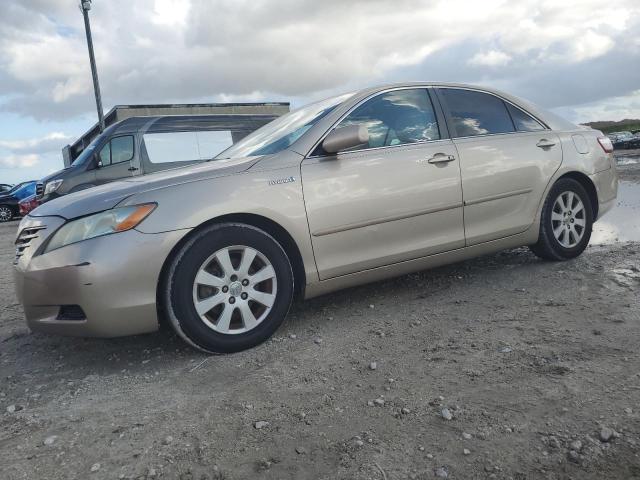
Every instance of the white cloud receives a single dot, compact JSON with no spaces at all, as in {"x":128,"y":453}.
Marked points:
{"x":71,"y":87}
{"x":50,"y":142}
{"x":19,"y":161}
{"x":158,"y":51}
{"x":613,"y":108}
{"x":590,"y":45}
{"x":170,"y":12}
{"x":492,"y":58}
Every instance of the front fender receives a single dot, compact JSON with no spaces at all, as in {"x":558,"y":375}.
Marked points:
{"x":273,"y":194}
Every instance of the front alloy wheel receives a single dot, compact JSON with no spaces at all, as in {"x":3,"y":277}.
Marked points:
{"x":230,"y":299}
{"x":228,"y":288}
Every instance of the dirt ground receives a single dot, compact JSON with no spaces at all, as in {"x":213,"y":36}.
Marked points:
{"x":536,"y":363}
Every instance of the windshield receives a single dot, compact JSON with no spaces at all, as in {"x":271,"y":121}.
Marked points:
{"x":14,"y":189}
{"x":87,"y":153}
{"x":283,"y":131}
{"x":25,"y":190}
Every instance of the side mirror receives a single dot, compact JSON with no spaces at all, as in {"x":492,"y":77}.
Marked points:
{"x":345,"y":137}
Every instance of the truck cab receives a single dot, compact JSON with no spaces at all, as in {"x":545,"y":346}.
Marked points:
{"x":143,"y":145}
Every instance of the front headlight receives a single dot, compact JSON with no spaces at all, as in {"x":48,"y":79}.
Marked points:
{"x":103,"y":223}
{"x":52,"y":186}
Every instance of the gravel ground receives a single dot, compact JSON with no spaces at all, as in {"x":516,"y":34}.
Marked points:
{"x":499,"y":367}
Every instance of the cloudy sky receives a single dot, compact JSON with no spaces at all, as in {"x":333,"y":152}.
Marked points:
{"x":580,"y":58}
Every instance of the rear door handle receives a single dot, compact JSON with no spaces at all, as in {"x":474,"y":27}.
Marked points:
{"x":544,"y":143}
{"x":441,"y":158}
{"x":132,"y":169}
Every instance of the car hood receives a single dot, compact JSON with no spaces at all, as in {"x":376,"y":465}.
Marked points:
{"x":58,"y":174}
{"x":104,"y":197}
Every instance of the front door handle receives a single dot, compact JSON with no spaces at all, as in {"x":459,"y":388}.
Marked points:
{"x":132,"y":169}
{"x":441,"y":158}
{"x":544,"y":143}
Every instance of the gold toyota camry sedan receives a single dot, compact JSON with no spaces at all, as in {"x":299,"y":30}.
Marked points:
{"x":348,"y":190}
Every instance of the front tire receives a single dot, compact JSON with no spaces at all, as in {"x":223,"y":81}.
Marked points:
{"x":228,"y":288}
{"x":565,"y":223}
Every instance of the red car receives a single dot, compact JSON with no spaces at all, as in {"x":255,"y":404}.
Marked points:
{"x":27,"y":204}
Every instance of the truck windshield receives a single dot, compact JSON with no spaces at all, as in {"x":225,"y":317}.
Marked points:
{"x":283,"y":131}
{"x":87,"y":153}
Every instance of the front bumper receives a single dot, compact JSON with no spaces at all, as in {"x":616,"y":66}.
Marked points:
{"x":113,"y":279}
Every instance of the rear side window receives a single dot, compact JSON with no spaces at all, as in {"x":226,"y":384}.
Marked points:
{"x":118,"y":150}
{"x":523,"y":121}
{"x":476,"y":113}
{"x":167,"y":147}
{"x":396,"y":118}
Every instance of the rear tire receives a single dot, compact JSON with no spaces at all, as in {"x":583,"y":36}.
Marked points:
{"x":565,"y":223}
{"x":228,"y":288}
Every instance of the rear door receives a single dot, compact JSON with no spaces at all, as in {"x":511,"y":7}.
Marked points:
{"x":396,"y":198}
{"x":506,"y":159}
{"x":116,"y":159}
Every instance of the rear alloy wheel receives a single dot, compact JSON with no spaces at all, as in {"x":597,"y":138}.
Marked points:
{"x":566,"y":222}
{"x":229,"y":288}
{"x":6,"y":213}
{"x":568,"y":219}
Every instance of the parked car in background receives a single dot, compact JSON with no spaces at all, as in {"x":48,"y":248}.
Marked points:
{"x":624,"y":140}
{"x":141,"y":145}
{"x":396,"y":179}
{"x":27,"y":204}
{"x":5,"y":187}
{"x":10,"y":199}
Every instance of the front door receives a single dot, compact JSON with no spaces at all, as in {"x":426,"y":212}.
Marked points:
{"x":506,"y":158}
{"x":116,"y":159}
{"x":397,"y":198}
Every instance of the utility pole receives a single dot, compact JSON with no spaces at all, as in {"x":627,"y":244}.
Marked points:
{"x":85,"y":6}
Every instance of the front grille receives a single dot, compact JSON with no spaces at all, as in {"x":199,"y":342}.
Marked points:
{"x":71,"y":312}
{"x":24,"y":240}
{"x":39,"y":190}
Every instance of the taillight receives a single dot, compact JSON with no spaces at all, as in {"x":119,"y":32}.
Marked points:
{"x":605,"y":143}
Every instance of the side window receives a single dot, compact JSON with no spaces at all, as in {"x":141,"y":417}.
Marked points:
{"x":476,"y":113}
{"x":396,"y":118}
{"x":169,"y":147}
{"x":523,"y":121}
{"x":105,"y":155}
{"x":121,"y":149}
{"x":118,"y":150}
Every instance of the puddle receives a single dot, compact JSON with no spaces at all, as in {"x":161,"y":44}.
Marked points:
{"x":628,"y":160}
{"x":622,"y":223}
